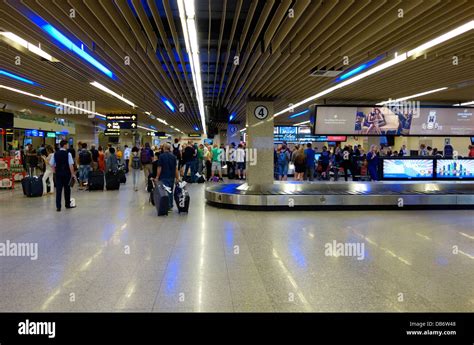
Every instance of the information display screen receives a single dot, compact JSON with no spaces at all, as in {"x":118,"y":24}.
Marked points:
{"x":393,"y":120}
{"x":443,"y":121}
{"x":408,"y":168}
{"x":295,"y":134}
{"x":455,"y":168}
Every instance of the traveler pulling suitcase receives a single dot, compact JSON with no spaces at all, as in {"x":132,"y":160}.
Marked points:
{"x":161,"y":199}
{"x":32,"y":186}
{"x":112,"y":181}
{"x":96,"y":180}
{"x":181,"y":197}
{"x":121,"y":174}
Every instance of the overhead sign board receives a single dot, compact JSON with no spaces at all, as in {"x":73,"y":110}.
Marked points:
{"x":194,"y":135}
{"x":112,"y":132}
{"x":121,"y":121}
{"x":121,"y":117}
{"x":152,"y":134}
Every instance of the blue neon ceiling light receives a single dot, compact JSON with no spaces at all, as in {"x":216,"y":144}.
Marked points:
{"x":231,"y":117}
{"x":168,"y":103}
{"x":70,"y":45}
{"x":360,"y":68}
{"x":17,"y":77}
{"x":47,"y":104}
{"x":299,"y":114}
{"x":196,"y":128}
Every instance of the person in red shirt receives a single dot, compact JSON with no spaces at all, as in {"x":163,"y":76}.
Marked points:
{"x":471,"y":150}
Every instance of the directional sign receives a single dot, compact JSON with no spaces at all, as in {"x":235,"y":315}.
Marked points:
{"x":194,"y":135}
{"x":112,"y":132}
{"x":122,"y":117}
{"x":122,"y":121}
{"x":152,"y":134}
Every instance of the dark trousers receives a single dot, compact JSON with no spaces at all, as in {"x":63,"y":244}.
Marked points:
{"x":347,"y":167}
{"x":169,"y":182}
{"x":127,"y":162}
{"x":373,"y":173}
{"x":62,"y":182}
{"x":230,"y":169}
{"x":208,"y":169}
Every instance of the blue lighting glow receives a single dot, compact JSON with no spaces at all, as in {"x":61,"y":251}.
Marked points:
{"x":47,"y":104}
{"x":299,"y":114}
{"x":70,"y":45}
{"x":196,"y":128}
{"x":168,"y":103}
{"x":17,"y":77}
{"x":231,"y":117}
{"x":359,"y":68}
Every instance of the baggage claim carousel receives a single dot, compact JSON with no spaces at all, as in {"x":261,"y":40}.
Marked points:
{"x":344,"y":195}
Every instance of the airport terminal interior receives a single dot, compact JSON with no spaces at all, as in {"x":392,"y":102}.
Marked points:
{"x":236,"y":156}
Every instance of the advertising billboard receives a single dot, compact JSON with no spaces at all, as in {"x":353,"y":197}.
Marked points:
{"x":393,"y":120}
{"x":408,"y":168}
{"x":455,"y":168}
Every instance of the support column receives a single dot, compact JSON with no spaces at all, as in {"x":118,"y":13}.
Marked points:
{"x":259,"y":142}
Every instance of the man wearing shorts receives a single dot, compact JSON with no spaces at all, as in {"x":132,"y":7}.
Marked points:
{"x":216,"y":162}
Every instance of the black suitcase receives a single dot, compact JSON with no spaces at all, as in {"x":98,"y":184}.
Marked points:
{"x":112,"y":181}
{"x":201,"y":179}
{"x":181,"y":198}
{"x":32,"y":186}
{"x":121,"y":175}
{"x":161,"y":199}
{"x":96,"y":180}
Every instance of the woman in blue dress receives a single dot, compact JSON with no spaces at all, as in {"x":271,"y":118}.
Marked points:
{"x":373,"y":162}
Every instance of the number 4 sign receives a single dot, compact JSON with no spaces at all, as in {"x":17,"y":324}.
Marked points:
{"x":261,"y":112}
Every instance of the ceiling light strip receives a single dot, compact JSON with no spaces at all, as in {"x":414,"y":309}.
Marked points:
{"x":187,"y":16}
{"x":412,"y":96}
{"x":463,"y":104}
{"x":110,"y":92}
{"x":30,"y":46}
{"x":396,"y":60}
{"x":51,"y":100}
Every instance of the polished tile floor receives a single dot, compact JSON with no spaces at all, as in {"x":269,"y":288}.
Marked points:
{"x":112,"y":253}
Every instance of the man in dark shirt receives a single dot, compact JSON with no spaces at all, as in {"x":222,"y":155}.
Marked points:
{"x":188,"y":158}
{"x":167,"y":170}
{"x":63,"y":165}
{"x":95,"y":158}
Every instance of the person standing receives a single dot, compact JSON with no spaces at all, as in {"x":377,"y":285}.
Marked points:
{"x":448,"y":150}
{"x":240,"y":161}
{"x":471,"y":151}
{"x":230,"y":161}
{"x":101,"y":159}
{"x":423,"y":152}
{"x":300,"y":163}
{"x":208,"y":161}
{"x":63,"y":165}
{"x":48,"y":172}
{"x":310,"y":162}
{"x":188,"y":156}
{"x":85,"y":160}
{"x":283,"y":159}
{"x":135,"y":165}
{"x":146,"y":158}
{"x":373,"y":162}
{"x":126,"y":156}
{"x":112,"y":161}
{"x":167,"y":171}
{"x":95,"y":158}
{"x":200,"y":157}
{"x":216,"y":154}
{"x":403,"y":151}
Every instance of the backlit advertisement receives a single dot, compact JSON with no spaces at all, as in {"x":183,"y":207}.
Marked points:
{"x":393,"y":120}
{"x":408,"y":168}
{"x":454,"y":168}
{"x":444,"y":121}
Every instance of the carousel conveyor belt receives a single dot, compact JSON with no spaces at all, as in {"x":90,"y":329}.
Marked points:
{"x":344,"y":195}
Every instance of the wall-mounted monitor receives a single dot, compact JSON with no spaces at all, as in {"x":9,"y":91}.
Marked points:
{"x":455,"y":168}
{"x":393,"y":120}
{"x":408,"y":169}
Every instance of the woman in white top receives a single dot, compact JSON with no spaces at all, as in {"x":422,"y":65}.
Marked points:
{"x":48,"y":173}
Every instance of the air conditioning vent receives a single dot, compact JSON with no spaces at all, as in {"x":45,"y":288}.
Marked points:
{"x":324,"y":72}
{"x":69,"y":71}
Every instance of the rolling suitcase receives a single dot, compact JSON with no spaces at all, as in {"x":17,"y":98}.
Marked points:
{"x":96,"y":180}
{"x":121,"y":175}
{"x":181,"y":197}
{"x":32,"y":186}
{"x":161,"y":199}
{"x":112,"y":181}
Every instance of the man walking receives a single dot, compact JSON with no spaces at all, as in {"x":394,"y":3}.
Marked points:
{"x":126,"y":156}
{"x":167,"y":171}
{"x":63,"y":165}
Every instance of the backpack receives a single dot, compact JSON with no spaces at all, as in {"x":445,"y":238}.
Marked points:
{"x":282,"y":157}
{"x":145,"y":156}
{"x":85,"y":157}
{"x":136,"y":162}
{"x":176,"y":151}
